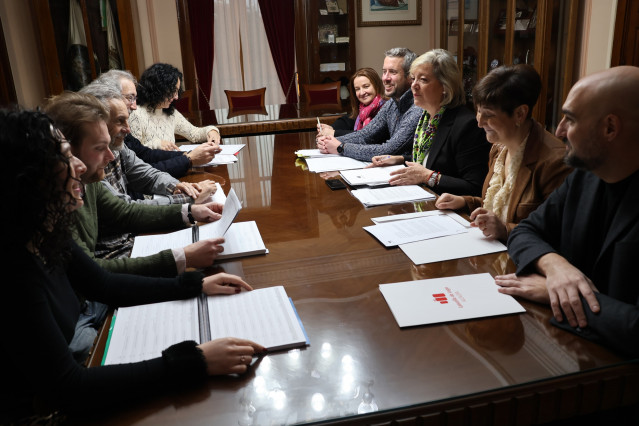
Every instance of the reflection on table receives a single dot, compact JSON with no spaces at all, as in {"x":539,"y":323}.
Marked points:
{"x":505,"y":370}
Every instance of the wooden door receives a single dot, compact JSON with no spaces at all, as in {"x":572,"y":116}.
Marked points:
{"x":625,"y":47}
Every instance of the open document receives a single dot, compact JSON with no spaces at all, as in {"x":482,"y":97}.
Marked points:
{"x":421,"y":228}
{"x":372,"y":176}
{"x":333,"y":164}
{"x":447,"y":299}
{"x":266,"y":316}
{"x":147,"y":245}
{"x":391,"y":195}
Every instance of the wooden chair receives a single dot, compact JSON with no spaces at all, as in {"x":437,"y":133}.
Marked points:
{"x":322,"y":96}
{"x":246,"y":101}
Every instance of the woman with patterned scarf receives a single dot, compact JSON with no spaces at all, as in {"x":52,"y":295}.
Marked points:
{"x":449,"y":150}
{"x":526,"y":162}
{"x":367,"y":97}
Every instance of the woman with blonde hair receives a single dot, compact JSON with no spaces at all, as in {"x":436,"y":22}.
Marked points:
{"x":449,"y":150}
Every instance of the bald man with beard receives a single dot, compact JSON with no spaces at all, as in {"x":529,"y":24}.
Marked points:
{"x":578,"y":251}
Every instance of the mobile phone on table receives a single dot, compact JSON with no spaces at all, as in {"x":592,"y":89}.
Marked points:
{"x":335,"y":184}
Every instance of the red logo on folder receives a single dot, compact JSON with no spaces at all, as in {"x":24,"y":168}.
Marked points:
{"x":440,"y":297}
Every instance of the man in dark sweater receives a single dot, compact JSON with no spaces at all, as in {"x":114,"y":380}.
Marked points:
{"x":578,"y":250}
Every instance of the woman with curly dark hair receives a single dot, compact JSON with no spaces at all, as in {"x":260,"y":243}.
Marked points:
{"x":156,"y":121}
{"x":39,"y":311}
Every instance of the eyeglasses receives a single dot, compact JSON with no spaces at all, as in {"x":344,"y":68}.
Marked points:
{"x":131,"y":98}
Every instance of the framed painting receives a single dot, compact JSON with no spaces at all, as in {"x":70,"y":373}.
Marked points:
{"x":373,"y":13}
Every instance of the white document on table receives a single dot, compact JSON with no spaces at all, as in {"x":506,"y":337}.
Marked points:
{"x":313,"y":153}
{"x":405,"y":231}
{"x":242,"y":239}
{"x":391,"y":195}
{"x":332,"y":164}
{"x":266,"y":316}
{"x":147,"y":245}
{"x":447,"y":299}
{"x":471,"y":243}
{"x":144,"y":331}
{"x":405,"y":216}
{"x":371,"y":176}
{"x":226,"y":149}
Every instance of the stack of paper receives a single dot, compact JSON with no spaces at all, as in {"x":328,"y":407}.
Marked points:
{"x":421,"y":228}
{"x":455,"y":246}
{"x":242,"y":239}
{"x":391,"y":195}
{"x":373,"y":176}
{"x":447,"y":299}
{"x":313,"y":153}
{"x":333,"y":163}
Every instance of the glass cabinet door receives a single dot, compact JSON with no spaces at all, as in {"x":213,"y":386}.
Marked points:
{"x":498,"y":34}
{"x":525,"y":30}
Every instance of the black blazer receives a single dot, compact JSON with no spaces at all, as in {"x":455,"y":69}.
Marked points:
{"x":459,"y":152}
{"x":174,"y":163}
{"x":564,"y":224}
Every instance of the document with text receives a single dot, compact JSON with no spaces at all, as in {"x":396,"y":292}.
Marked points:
{"x":242,"y":239}
{"x":372,"y":176}
{"x":147,"y":245}
{"x":471,"y":243}
{"x":267,"y":316}
{"x":391,"y":195}
{"x":313,"y":153}
{"x":421,"y":228}
{"x":447,"y":299}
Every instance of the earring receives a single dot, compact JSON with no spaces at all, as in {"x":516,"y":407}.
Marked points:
{"x":517,"y":124}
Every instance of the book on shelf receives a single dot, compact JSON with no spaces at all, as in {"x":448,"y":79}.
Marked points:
{"x":266,"y":316}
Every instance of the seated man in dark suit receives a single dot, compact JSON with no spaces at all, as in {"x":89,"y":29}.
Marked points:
{"x":175,"y":163}
{"x":578,"y":250}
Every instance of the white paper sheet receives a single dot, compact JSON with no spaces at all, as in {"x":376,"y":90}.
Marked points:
{"x":265,"y":316}
{"x":391,"y":195}
{"x":313,"y":153}
{"x":447,"y":299}
{"x":147,"y":245}
{"x":471,"y":243}
{"x":372,"y":176}
{"x":404,"y":231}
{"x":144,"y":331}
{"x":226,"y":149}
{"x":242,"y":239}
{"x":332,"y":164}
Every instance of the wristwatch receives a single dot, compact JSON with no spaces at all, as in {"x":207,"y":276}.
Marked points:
{"x":432,"y":180}
{"x":340,"y":148}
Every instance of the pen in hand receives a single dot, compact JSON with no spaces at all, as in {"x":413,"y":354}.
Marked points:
{"x":319,"y":127}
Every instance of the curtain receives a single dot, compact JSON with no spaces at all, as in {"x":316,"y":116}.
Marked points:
{"x":202,"y":36}
{"x":279,"y":23}
{"x":240,"y":22}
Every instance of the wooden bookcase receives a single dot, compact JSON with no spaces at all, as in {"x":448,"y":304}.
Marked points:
{"x":484,"y":34}
{"x":325,"y":40}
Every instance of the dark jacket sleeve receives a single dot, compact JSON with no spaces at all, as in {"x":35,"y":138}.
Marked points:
{"x":174,"y":163}
{"x":343,"y":126}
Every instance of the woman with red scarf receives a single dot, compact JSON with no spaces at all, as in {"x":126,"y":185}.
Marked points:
{"x":367,"y":97}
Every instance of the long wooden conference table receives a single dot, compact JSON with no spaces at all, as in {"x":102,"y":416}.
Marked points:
{"x":360,"y":367}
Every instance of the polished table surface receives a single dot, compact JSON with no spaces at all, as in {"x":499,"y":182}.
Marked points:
{"x":271,"y":119}
{"x":514,"y":369}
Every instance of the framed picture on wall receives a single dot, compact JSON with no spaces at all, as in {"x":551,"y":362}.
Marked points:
{"x":373,"y":13}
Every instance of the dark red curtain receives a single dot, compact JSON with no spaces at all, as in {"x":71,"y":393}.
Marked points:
{"x":279,"y":21}
{"x":202,"y":37}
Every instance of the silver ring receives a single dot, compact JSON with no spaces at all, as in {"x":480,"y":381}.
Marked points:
{"x":242,"y":359}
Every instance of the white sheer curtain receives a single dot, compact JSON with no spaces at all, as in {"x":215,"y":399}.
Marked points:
{"x":234,"y":21}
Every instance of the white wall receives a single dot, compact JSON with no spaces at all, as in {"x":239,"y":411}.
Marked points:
{"x":597,"y":35}
{"x":372,"y":42}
